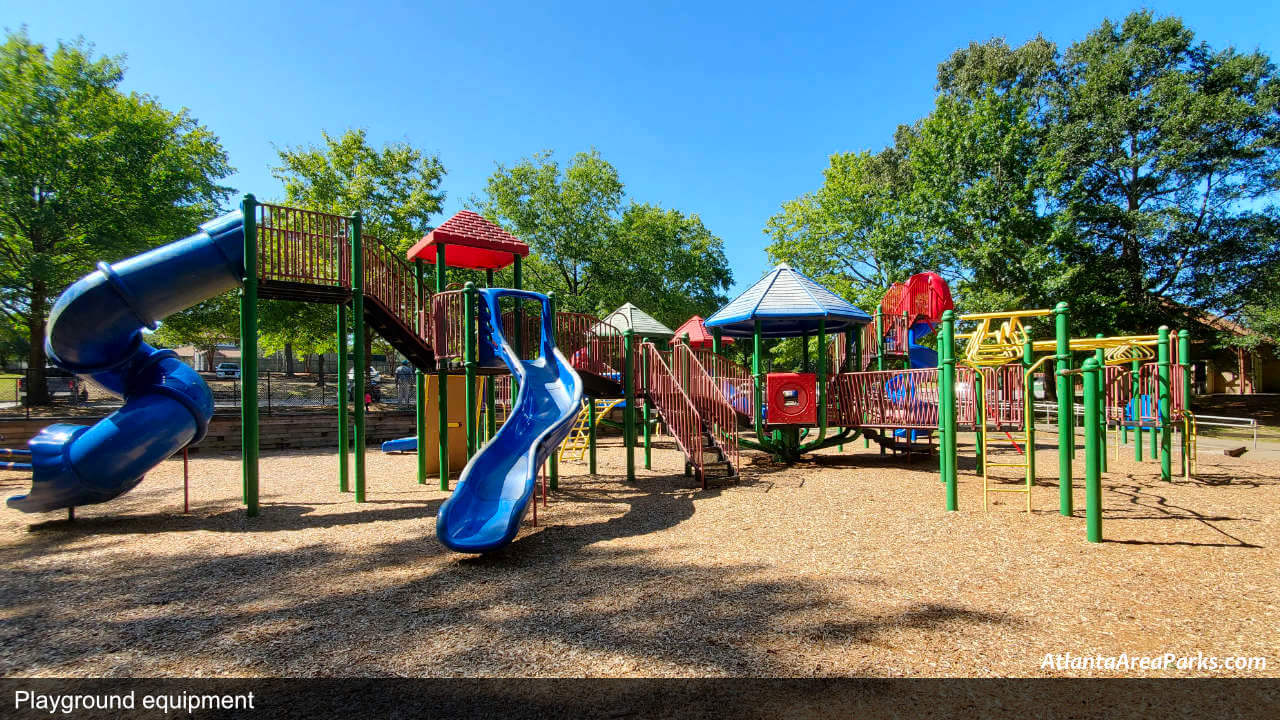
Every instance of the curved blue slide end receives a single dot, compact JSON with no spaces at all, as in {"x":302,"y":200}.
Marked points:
{"x":404,"y":444}
{"x":493,"y":494}
{"x":95,"y":331}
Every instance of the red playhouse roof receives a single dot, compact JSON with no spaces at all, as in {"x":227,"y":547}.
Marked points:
{"x":699,"y":338}
{"x":924,"y":296}
{"x":470,"y":242}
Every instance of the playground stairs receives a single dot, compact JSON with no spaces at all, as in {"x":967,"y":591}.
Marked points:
{"x":394,"y":331}
{"x":714,"y":463}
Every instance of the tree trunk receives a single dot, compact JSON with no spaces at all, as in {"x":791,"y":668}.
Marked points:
{"x":320,"y":369}
{"x":37,"y":388}
{"x":288,"y":359}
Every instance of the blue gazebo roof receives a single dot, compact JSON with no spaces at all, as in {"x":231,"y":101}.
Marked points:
{"x":787,"y":304}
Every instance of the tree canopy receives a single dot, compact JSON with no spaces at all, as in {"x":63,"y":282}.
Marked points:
{"x":1134,"y":174}
{"x":594,"y":251}
{"x":88,"y":173}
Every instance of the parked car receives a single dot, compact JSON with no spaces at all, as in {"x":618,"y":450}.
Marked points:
{"x":227,"y":370}
{"x":58,"y":383}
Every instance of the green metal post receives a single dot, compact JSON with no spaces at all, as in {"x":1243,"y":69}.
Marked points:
{"x":1166,"y":400}
{"x":1136,"y":404}
{"x":553,"y":463}
{"x":804,"y":352}
{"x":591,"y":435}
{"x":646,"y":419}
{"x":362,"y":363}
{"x":857,"y":367}
{"x":249,"y":358}
{"x":1029,"y":408}
{"x":629,"y":393}
{"x":757,"y":376}
{"x":1093,"y":451}
{"x":947,"y":414}
{"x":1066,"y":407}
{"x":906,"y":356}
{"x":822,"y":382}
{"x":442,"y":381}
{"x":880,"y":348}
{"x":717,"y":343}
{"x":879,"y":341}
{"x":491,"y":405}
{"x":517,"y":277}
{"x":979,"y":425}
{"x":344,"y":437}
{"x":1184,"y":358}
{"x":420,"y":379}
{"x":1101,"y":378}
{"x":469,"y":355}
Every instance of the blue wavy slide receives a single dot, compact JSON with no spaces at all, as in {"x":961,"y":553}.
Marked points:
{"x":495,"y":489}
{"x":95,"y":331}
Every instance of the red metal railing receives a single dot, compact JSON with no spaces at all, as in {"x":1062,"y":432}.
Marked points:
{"x":678,"y":411}
{"x":733,"y":380}
{"x":304,"y":246}
{"x":502,"y":391}
{"x":893,"y":336}
{"x":531,"y":336}
{"x":390,"y":281}
{"x":1003,"y":390}
{"x":590,"y":346}
{"x":966,"y":397}
{"x":714,"y":408}
{"x":905,"y":399}
{"x":448,"y":323}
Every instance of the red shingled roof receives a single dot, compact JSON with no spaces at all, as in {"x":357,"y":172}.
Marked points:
{"x":699,"y":337}
{"x":470,"y":242}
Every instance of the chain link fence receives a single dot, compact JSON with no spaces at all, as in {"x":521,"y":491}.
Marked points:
{"x":278,"y":391}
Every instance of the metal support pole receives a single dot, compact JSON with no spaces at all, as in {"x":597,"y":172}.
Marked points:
{"x":1066,"y":407}
{"x":980,"y":421}
{"x":591,"y":435}
{"x":646,"y":418}
{"x":757,"y":376}
{"x":947,"y":414}
{"x":419,"y":377}
{"x":249,"y":358}
{"x":629,"y":393}
{"x":469,"y":360}
{"x":362,"y":363}
{"x":554,"y":461}
{"x":804,"y":352}
{"x":1136,"y":403}
{"x":442,"y":380}
{"x":1029,"y":408}
{"x":1164,"y":385}
{"x":717,"y":342}
{"x":344,"y":421}
{"x":1184,"y":358}
{"x":1093,"y":450}
{"x":906,"y":332}
{"x":1101,"y":378}
{"x":491,"y":405}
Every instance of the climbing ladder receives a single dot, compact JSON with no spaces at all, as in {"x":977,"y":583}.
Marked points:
{"x":579,"y":441}
{"x":1004,"y":406}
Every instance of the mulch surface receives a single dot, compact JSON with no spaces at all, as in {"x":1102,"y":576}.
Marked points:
{"x":842,"y":565}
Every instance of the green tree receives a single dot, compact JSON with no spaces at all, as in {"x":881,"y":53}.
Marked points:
{"x":666,"y":262}
{"x":566,"y":216}
{"x":396,"y":188}
{"x":854,"y":234}
{"x":87,"y":172}
{"x":204,"y":326}
{"x":1165,"y":154}
{"x":595,"y":252}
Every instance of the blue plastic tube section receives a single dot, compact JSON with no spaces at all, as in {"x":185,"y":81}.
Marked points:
{"x":95,"y":331}
{"x":493,"y":494}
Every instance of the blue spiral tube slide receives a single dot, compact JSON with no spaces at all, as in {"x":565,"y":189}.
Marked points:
{"x":95,"y":331}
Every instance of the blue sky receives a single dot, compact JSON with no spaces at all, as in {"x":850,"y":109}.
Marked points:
{"x":723,"y":109}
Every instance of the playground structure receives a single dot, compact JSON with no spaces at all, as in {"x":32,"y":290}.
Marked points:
{"x":703,"y":399}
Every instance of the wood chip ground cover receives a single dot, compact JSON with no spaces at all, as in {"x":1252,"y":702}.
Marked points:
{"x":842,"y":565}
